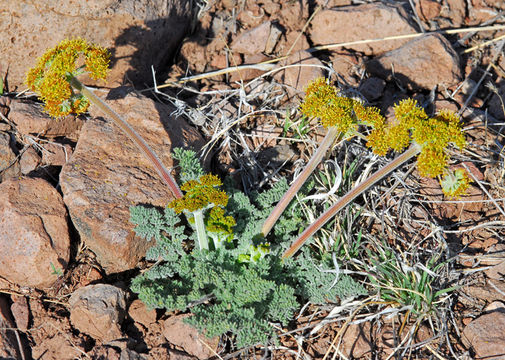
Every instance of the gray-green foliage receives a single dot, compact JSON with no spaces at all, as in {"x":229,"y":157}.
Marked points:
{"x":224,"y":294}
{"x":189,"y":164}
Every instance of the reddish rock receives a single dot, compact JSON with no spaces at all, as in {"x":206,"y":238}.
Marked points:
{"x":480,"y":12}
{"x":497,"y":272}
{"x":107,"y":174}
{"x":56,"y":154}
{"x":420,"y":64}
{"x":187,"y":337}
{"x":141,"y":314}
{"x":491,"y":291}
{"x":428,"y":9}
{"x":9,"y":167}
{"x":459,"y":211}
{"x":356,"y":340}
{"x":9,"y":348}
{"x":495,"y":305}
{"x":33,"y":232}
{"x":485,"y":335}
{"x":29,"y":161}
{"x":455,"y":11}
{"x":298,"y":77}
{"x":252,"y":14}
{"x":130,"y":28}
{"x":21,"y":312}
{"x":292,"y":42}
{"x":347,"y":66}
{"x":30,"y":119}
{"x":292,"y":15}
{"x":98,"y":310}
{"x":372,"y":88}
{"x":262,"y":38}
{"x":363,"y":22}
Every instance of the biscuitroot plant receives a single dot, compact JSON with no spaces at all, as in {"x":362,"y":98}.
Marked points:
{"x":234,"y":283}
{"x":411,"y":133}
{"x":211,"y":260}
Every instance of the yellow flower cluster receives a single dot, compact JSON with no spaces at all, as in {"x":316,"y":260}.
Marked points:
{"x":434,"y":135}
{"x":49,"y":77}
{"x":217,"y":222}
{"x":324,"y":102}
{"x":411,"y":124}
{"x":200,"y":194}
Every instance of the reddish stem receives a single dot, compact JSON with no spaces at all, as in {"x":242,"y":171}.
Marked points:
{"x":412,"y":151}
{"x":131,"y":133}
{"x":300,"y":180}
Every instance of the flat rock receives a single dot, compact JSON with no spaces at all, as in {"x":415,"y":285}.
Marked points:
{"x":302,"y":69}
{"x":20,"y":312}
{"x":33,"y":232}
{"x":98,"y":310}
{"x":362,"y":22}
{"x":254,"y":41}
{"x":420,"y":64}
{"x":356,"y":341}
{"x":141,"y":314}
{"x":485,"y":335}
{"x":30,"y":119}
{"x":491,"y":291}
{"x":130,"y":28}
{"x":428,"y":9}
{"x":56,"y":154}
{"x":9,"y":349}
{"x":188,"y":338}
{"x":107,"y":174}
{"x":8,"y":166}
{"x":29,"y":161}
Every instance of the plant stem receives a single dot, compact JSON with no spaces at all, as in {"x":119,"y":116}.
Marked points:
{"x":412,"y":151}
{"x":131,"y":133}
{"x":300,"y":180}
{"x":203,"y":242}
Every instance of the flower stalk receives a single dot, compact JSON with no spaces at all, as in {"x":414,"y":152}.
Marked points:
{"x":411,"y":133}
{"x":201,"y":233}
{"x":411,"y":152}
{"x":316,"y":158}
{"x":130,"y":132}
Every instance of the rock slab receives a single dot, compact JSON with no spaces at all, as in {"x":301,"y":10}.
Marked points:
{"x":33,"y":232}
{"x":9,"y":349}
{"x":188,"y":338}
{"x":485,"y":335}
{"x":98,"y":310}
{"x":107,"y":174}
{"x":30,"y":119}
{"x":362,"y":22}
{"x":422,"y":63}
{"x":8,"y":166}
{"x":131,"y":29}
